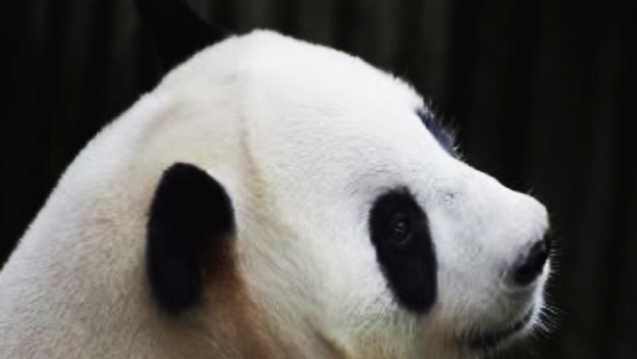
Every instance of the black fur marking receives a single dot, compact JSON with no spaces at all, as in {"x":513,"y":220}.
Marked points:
{"x":191,"y":220}
{"x":399,"y":231}
{"x":178,"y":31}
{"x":445,"y":137}
{"x":531,"y":265}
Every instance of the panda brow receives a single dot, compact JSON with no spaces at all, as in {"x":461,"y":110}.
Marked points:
{"x":445,"y":137}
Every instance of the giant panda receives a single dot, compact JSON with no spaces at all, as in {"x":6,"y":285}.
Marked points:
{"x":273,"y":198}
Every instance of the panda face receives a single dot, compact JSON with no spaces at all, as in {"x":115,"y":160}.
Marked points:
{"x":356,"y":221}
{"x":273,"y":198}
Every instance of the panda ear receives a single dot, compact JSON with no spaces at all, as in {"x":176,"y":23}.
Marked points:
{"x":189,"y":233}
{"x":177,"y":30}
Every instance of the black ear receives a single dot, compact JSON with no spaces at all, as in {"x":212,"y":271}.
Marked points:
{"x":177,"y":30}
{"x":188,"y":236}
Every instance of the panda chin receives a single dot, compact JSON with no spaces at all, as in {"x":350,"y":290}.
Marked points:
{"x":488,"y":341}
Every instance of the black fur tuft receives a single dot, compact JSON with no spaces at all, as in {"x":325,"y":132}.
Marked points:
{"x":445,"y":137}
{"x":191,"y":220}
{"x":177,"y":30}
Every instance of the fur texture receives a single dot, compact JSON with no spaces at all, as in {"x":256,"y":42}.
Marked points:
{"x":303,"y":139}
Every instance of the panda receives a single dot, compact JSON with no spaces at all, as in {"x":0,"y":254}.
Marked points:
{"x":273,"y":198}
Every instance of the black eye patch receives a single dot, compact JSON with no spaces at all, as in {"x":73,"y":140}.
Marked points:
{"x":399,"y":231}
{"x":445,"y":137}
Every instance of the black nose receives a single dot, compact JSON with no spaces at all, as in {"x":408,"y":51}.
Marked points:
{"x":530,"y":265}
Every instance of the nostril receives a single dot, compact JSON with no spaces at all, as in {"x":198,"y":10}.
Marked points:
{"x":530,"y":266}
{"x":548,"y":242}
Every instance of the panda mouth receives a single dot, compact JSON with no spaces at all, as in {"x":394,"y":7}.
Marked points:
{"x":492,"y":339}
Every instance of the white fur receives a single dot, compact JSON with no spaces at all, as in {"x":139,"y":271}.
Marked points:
{"x":303,"y":138}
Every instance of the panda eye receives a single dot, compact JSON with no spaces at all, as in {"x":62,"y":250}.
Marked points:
{"x":395,"y":220}
{"x":399,"y":232}
{"x":400,"y":229}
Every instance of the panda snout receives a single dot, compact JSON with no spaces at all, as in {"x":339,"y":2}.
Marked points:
{"x":530,"y":264}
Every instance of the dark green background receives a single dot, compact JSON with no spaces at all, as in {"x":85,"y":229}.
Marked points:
{"x":541,"y":92}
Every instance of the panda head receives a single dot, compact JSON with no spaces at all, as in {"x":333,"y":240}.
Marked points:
{"x":341,"y":210}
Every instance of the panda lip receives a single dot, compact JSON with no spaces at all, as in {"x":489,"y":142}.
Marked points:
{"x":491,"y":339}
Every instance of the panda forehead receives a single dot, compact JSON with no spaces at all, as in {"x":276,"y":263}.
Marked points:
{"x":330,"y":81}
{"x":298,"y":71}
{"x":305,"y":108}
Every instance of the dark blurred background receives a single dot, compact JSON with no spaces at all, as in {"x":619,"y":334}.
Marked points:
{"x":540,"y":91}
